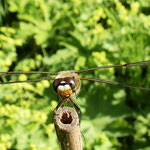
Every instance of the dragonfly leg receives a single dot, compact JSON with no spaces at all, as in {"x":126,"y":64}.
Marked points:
{"x":76,"y":107}
{"x":59,"y":105}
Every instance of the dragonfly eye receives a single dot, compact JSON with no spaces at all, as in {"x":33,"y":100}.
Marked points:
{"x":64,"y":81}
{"x":71,"y":82}
{"x":56,"y":83}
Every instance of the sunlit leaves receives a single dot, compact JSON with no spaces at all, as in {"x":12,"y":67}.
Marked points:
{"x":52,"y":35}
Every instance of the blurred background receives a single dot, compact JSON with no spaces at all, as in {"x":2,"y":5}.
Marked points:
{"x":56,"y":35}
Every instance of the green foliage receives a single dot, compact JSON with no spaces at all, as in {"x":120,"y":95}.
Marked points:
{"x":56,"y":35}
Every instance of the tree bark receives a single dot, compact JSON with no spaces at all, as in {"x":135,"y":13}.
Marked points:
{"x":67,"y":126}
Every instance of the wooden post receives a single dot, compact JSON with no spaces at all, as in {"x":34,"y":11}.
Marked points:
{"x":67,"y":127}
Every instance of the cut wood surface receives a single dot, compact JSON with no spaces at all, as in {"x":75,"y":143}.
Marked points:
{"x":67,"y":127}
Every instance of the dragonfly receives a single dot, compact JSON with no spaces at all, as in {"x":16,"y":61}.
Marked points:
{"x":67,"y":83}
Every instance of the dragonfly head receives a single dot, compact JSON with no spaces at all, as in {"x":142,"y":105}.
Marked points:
{"x":66,"y":84}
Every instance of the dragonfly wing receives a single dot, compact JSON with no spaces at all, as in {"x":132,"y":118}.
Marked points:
{"x":34,"y":80}
{"x":141,"y":63}
{"x":115,"y":83}
{"x":28,"y":72}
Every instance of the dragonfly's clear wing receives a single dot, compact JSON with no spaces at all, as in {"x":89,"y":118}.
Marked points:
{"x":34,"y":80}
{"x":115,"y":83}
{"x":141,"y":63}
{"x":28,"y":72}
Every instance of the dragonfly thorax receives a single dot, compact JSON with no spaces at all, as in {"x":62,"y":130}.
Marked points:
{"x":66,"y":84}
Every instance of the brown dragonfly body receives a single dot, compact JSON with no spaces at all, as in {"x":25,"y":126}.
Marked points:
{"x":67,"y":83}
